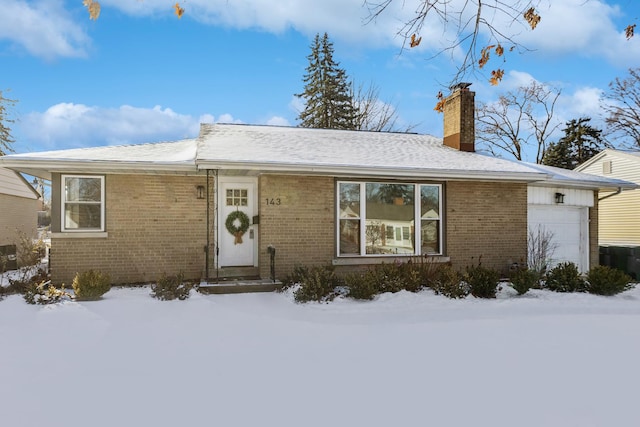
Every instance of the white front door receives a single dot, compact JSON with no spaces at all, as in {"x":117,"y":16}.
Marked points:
{"x":237,"y":240}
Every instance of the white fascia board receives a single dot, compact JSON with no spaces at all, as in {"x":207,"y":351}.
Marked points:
{"x":377,"y":171}
{"x":46,"y":167}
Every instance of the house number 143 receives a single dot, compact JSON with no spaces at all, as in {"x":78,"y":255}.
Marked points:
{"x":274,"y":202}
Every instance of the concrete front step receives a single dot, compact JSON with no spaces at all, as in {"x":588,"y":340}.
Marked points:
{"x":239,"y":286}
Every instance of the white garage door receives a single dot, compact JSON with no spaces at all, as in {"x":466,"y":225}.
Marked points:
{"x":570,"y":228}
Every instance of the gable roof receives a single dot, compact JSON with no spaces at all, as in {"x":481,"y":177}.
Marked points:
{"x":14,"y":184}
{"x":634,"y":155}
{"x":233,"y":148}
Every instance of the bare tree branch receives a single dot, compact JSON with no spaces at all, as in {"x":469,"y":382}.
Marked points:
{"x":475,"y":25}
{"x":622,"y":106}
{"x":517,"y":120}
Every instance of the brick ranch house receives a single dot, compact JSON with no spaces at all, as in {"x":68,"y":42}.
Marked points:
{"x":222,"y":204}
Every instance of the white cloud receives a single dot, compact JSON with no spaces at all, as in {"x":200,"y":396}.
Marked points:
{"x":68,"y":124}
{"x":43,"y":28}
{"x":277,"y":121}
{"x":590,"y":28}
{"x":345,"y":20}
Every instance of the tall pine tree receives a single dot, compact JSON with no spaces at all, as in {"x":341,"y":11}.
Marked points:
{"x":580,"y":142}
{"x":327,"y":90}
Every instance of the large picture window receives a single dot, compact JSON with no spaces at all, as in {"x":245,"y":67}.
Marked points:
{"x":82,"y":203}
{"x":377,"y":218}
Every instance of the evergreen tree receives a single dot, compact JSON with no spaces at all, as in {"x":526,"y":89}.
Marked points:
{"x":580,"y":142}
{"x":327,"y":90}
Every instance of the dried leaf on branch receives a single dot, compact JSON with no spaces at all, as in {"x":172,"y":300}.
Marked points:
{"x":93,"y":7}
{"x":415,"y":42}
{"x":496,"y":77}
{"x":178,"y":10}
{"x":629,"y":31}
{"x":532,"y":18}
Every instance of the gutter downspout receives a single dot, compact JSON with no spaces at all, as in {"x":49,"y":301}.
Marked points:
{"x":611,"y":195}
{"x":206,"y":250}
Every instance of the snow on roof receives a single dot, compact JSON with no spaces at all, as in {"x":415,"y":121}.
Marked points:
{"x":559,"y":176}
{"x":183,"y":151}
{"x":301,"y":150}
{"x":229,"y":146}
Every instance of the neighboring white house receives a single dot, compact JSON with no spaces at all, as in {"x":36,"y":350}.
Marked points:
{"x":19,"y":206}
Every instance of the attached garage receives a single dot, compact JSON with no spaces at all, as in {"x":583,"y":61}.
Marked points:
{"x":569,"y":226}
{"x":563,"y":213}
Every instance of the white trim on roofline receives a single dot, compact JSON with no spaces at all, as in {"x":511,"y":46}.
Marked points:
{"x":351,"y":170}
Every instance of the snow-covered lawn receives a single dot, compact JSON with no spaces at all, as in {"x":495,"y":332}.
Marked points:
{"x":543,"y":360}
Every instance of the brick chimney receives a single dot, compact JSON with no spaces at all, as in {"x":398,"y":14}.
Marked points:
{"x":459,"y":118}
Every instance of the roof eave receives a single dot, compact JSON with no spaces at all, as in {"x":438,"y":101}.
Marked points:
{"x":352,"y":170}
{"x":43,"y":168}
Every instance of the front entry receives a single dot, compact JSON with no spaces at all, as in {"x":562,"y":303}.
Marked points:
{"x":237,"y":235}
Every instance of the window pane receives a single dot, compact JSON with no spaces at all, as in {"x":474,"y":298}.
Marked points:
{"x":430,"y":235}
{"x":78,"y":216}
{"x":430,"y":201}
{"x":349,"y":200}
{"x":78,"y":189}
{"x":390,"y":205}
{"x":350,"y":236}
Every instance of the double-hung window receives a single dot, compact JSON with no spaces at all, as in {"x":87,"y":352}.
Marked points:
{"x":380,"y":218}
{"x":82,"y":203}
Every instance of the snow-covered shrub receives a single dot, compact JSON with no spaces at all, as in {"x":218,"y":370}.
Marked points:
{"x":482,"y":281}
{"x":361,"y":286}
{"x":603,"y":280}
{"x":313,"y":284}
{"x":44,"y":293}
{"x":91,"y":285}
{"x":565,"y":277}
{"x":523,"y":279}
{"x":449,"y":283}
{"x":171,"y":287}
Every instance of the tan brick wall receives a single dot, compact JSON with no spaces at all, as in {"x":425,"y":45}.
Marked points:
{"x":155,"y":225}
{"x":18,"y":216}
{"x":487,"y":220}
{"x":482,"y":219}
{"x":301,"y":227}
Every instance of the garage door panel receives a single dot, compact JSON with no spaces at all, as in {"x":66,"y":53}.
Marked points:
{"x":569,"y":229}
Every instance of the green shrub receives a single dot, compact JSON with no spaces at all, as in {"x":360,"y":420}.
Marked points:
{"x":44,"y":293}
{"x":603,"y":280}
{"x":482,"y":281}
{"x":315,"y":283}
{"x":448,"y":282}
{"x":168,"y":288}
{"x":361,"y":286}
{"x":91,"y":285}
{"x":565,"y":277}
{"x":524,"y":279}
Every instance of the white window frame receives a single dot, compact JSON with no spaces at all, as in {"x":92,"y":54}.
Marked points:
{"x":417,"y":219}
{"x":63,"y":203}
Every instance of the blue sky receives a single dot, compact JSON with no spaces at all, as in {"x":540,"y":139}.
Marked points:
{"x":139,"y":74}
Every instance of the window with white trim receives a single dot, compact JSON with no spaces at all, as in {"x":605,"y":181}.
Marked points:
{"x":82,"y":203}
{"x":379,"y":218}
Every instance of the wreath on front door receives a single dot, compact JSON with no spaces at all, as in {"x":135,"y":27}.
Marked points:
{"x":237,"y":230}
